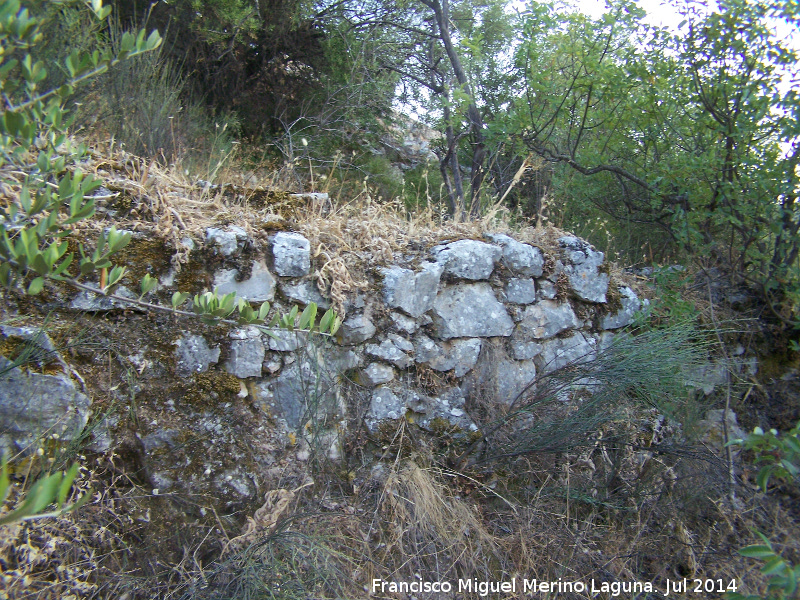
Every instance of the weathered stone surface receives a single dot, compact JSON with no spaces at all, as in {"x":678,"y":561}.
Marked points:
{"x":304,"y":387}
{"x":389,"y":351}
{"x":561,"y":352}
{"x":226,"y":241}
{"x":545,"y":319}
{"x":355,"y":329}
{"x":546,"y":289}
{"x":448,"y":407}
{"x":711,"y":430}
{"x":707,"y":377}
{"x":582,"y":269}
{"x":246,"y":353}
{"x":35,"y":406}
{"x":520,"y":291}
{"x":625,"y":315}
{"x":467,"y":259}
{"x":193,"y":355}
{"x":522,"y":259}
{"x":470,"y":310}
{"x":525,"y":350}
{"x":292,"y":254}
{"x":89,"y":302}
{"x":459,"y":355}
{"x":376,"y":374}
{"x":385,"y":405}
{"x":403,"y":323}
{"x":259,"y":287}
{"x":286,"y":341}
{"x":305,"y":292}
{"x":413,"y":293}
{"x":497,"y":377}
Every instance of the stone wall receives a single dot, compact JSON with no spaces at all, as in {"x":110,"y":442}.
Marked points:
{"x":217,"y":408}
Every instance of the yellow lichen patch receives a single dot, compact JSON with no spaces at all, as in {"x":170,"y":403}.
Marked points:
{"x":212,"y":387}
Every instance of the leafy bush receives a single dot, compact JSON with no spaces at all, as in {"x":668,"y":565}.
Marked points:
{"x":781,"y":454}
{"x":782,"y":457}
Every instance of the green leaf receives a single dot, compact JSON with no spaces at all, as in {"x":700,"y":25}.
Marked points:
{"x":116,"y":274}
{"x":178,"y":298}
{"x":774,"y":565}
{"x":66,"y":484}
{"x":35,"y":286}
{"x":5,"y":483}
{"x":762,"y":479}
{"x":308,"y":317}
{"x":757,"y":551}
{"x":148,"y":284}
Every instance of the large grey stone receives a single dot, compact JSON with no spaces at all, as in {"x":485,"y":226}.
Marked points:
{"x":376,"y":374}
{"x":304,"y":292}
{"x":355,"y":329}
{"x":470,"y":310}
{"x":292,"y":253}
{"x":562,"y":352}
{"x":40,"y":348}
{"x":193,"y":355}
{"x":448,"y":407}
{"x":522,"y":259}
{"x":497,"y":378}
{"x":35,"y":406}
{"x":467,"y":259}
{"x":306,"y":389}
{"x":226,"y":241}
{"x":247,"y":353}
{"x":707,"y":377}
{"x":546,"y":319}
{"x":712,"y":429}
{"x":403,"y":323}
{"x":385,"y":405}
{"x":459,"y":355}
{"x":520,"y":291}
{"x":625,"y":315}
{"x":389,"y":351}
{"x":282,"y":340}
{"x":413,"y":293}
{"x":582,"y":269}
{"x":521,"y":350}
{"x":259,"y":287}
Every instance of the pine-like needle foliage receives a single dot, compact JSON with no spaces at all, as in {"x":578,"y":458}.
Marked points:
{"x":563,"y":407}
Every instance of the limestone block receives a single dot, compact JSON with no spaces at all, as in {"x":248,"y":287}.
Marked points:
{"x":467,"y":259}
{"x":35,"y":406}
{"x":413,"y":293}
{"x":520,"y":291}
{"x":259,"y":287}
{"x":470,"y":310}
{"x":390,"y":352}
{"x":304,"y":292}
{"x":376,"y":374}
{"x":561,"y":352}
{"x":247,"y":353}
{"x":355,"y":329}
{"x":292,"y":254}
{"x":625,"y":315}
{"x":582,"y":262}
{"x":385,"y":405}
{"x":226,"y":241}
{"x":193,"y":355}
{"x":546,"y":319}
{"x":459,"y":355}
{"x":522,"y":259}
